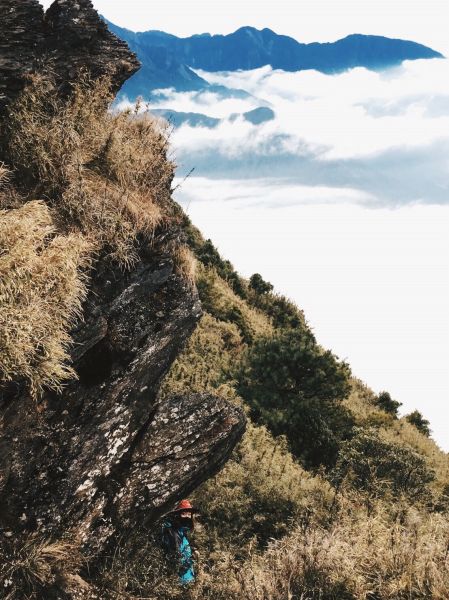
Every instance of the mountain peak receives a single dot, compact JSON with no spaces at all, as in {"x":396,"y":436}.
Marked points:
{"x":251,"y":48}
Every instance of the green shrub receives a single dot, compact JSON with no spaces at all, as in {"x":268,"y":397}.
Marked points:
{"x":260,"y":494}
{"x":421,"y":424}
{"x":283,"y":312}
{"x":294,"y":387}
{"x":259,"y":285}
{"x":378,"y":467}
{"x":385,"y":402}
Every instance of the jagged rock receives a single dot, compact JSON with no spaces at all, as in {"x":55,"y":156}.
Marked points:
{"x":70,"y":37}
{"x":21,"y":36}
{"x":106,"y":454}
{"x":76,"y":38}
{"x":200,"y":432}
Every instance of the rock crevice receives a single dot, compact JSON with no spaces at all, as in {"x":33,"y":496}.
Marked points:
{"x":107,"y":453}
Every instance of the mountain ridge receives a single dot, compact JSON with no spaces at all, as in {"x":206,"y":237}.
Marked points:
{"x":171,"y":61}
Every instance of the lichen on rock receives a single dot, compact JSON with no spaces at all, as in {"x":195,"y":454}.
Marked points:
{"x":107,"y":453}
{"x":68,"y":38}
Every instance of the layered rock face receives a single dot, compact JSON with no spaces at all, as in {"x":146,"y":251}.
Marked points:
{"x":21,"y":37}
{"x":106,"y":454}
{"x":70,"y":37}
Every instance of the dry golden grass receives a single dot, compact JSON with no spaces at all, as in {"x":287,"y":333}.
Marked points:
{"x":36,"y":564}
{"x":185,"y":264}
{"x":381,"y":555}
{"x":211,"y":350}
{"x":41,"y":290}
{"x":261,"y":490}
{"x":316,"y":545}
{"x":223,"y":299}
{"x":404,"y":432}
{"x":106,"y":179}
{"x":105,"y":174}
{"x":345,"y":550}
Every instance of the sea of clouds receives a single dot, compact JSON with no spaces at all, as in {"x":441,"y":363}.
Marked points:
{"x":341,"y":201}
{"x":382,"y":136}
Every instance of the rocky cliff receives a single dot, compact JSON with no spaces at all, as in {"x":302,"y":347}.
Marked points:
{"x":67,"y":38}
{"x":107,"y":454}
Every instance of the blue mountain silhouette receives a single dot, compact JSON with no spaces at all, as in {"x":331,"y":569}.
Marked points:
{"x":167,"y":60}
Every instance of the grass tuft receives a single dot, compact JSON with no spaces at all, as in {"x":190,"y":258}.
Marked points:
{"x":185,"y":264}
{"x":104,"y":180}
{"x":30,"y":568}
{"x":41,"y":291}
{"x":105,"y":174}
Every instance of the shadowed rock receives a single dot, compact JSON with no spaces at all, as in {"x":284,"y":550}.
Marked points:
{"x":105,"y":454}
{"x":21,"y":38}
{"x":69,"y":38}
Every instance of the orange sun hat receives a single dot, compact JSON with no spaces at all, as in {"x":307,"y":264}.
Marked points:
{"x":184,"y":505}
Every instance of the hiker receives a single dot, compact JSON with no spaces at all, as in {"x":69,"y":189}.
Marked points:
{"x":175,"y":529}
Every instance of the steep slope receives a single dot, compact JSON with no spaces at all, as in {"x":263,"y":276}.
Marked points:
{"x":97,"y":298}
{"x":329,"y":496}
{"x":274,"y":529}
{"x":372,"y":522}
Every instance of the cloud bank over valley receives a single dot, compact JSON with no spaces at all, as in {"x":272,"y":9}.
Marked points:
{"x":341,"y":201}
{"x":385,"y":134}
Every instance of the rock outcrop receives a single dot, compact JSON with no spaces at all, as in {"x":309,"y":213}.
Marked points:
{"x":68,"y":38}
{"x":21,"y":36}
{"x":106,"y":454}
{"x":75,"y":37}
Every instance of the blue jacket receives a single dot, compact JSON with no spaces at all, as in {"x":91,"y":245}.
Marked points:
{"x":175,"y":540}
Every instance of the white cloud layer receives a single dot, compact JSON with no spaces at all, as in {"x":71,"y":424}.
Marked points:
{"x":385,"y":134}
{"x":333,"y":112}
{"x":373,"y":283}
{"x":293,"y":199}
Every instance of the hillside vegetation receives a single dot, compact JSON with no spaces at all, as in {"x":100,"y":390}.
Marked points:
{"x":81,"y":183}
{"x":330,"y":495}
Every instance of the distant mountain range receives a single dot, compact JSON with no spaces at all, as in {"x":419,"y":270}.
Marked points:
{"x":257,"y":116}
{"x":167,"y":61}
